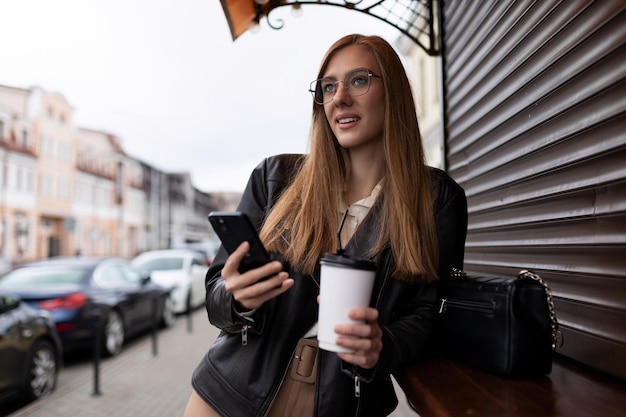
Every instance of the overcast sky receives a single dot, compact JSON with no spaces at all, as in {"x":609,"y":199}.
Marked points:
{"x":167,"y":79}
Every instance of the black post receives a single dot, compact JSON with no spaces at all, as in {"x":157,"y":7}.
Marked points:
{"x":155,"y":322}
{"x":189,"y":318}
{"x":97,"y":337}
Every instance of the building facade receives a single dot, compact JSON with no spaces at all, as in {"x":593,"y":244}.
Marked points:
{"x":424,"y":73}
{"x":66,"y":190}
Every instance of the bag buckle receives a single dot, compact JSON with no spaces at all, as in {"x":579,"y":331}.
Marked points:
{"x":304,"y":363}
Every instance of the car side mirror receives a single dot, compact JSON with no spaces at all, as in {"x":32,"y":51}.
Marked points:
{"x":145,"y":277}
{"x":8,"y":303}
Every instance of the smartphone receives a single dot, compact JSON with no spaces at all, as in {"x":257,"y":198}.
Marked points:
{"x":233,"y":228}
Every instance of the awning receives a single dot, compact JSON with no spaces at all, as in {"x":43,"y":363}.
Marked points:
{"x":240,"y":14}
{"x":416,"y":19}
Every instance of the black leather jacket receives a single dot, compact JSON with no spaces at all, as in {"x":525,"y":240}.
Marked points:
{"x":243,"y":370}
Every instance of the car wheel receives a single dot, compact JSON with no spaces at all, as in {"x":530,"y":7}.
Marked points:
{"x":168,"y":318}
{"x":113,"y":336}
{"x":42,"y":371}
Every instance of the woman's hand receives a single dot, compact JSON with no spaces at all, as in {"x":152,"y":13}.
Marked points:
{"x":366,"y":339}
{"x":248,"y":289}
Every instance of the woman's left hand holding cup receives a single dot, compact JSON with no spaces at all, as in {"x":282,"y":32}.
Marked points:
{"x":366,"y":339}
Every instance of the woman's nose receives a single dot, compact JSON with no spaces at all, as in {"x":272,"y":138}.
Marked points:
{"x":342,"y":95}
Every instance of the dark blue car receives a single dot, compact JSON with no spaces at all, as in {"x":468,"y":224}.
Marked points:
{"x":87,"y":295}
{"x":30,"y":351}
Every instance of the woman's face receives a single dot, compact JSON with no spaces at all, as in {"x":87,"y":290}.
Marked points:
{"x":356,"y":121}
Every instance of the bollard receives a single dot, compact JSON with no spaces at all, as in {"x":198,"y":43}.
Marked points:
{"x":97,"y":337}
{"x":155,"y":322}
{"x":189,"y":316}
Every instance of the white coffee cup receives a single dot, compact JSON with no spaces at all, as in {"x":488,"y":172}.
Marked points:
{"x":345,"y":283}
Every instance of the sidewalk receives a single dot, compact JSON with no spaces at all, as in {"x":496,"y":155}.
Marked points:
{"x":138,"y":384}
{"x":135,"y":383}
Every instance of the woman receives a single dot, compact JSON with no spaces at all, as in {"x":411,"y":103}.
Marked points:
{"x":366,"y":155}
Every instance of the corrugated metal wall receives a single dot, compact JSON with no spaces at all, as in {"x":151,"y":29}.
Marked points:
{"x":535,"y":119}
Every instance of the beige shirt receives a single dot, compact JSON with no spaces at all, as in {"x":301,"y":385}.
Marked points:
{"x":356,"y":213}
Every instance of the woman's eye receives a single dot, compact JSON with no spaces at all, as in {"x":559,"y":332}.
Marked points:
{"x":358,"y":81}
{"x":328,"y":87}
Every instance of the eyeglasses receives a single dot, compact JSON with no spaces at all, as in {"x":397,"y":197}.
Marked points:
{"x":356,"y":83}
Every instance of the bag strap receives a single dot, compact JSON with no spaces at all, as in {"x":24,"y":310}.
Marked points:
{"x":557,"y":335}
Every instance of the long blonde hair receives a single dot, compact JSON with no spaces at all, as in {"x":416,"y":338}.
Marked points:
{"x":303,"y":223}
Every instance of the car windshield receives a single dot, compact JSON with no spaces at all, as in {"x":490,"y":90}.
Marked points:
{"x":159,"y":264}
{"x":41,"y":276}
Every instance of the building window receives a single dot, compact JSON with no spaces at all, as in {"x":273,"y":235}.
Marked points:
{"x":63,"y":188}
{"x":19,"y":179}
{"x":421,"y":94}
{"x":29,"y":179}
{"x":45,"y":185}
{"x":24,"y":139}
{"x":1,"y":130}
{"x":65,"y":152}
{"x":45,"y":145}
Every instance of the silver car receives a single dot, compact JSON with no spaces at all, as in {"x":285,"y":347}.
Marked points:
{"x":181,"y":270}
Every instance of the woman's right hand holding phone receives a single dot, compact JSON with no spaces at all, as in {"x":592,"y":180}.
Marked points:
{"x":254,"y":287}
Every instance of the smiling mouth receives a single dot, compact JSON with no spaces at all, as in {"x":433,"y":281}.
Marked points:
{"x":348,"y":120}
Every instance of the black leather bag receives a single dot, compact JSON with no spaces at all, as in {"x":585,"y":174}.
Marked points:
{"x":504,"y":326}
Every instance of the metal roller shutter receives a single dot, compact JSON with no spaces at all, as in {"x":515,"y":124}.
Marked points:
{"x":535,"y":121}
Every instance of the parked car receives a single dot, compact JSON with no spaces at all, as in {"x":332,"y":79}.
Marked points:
{"x":182,"y":270}
{"x":84,"y":295}
{"x":30,"y":351}
{"x":208,"y":248}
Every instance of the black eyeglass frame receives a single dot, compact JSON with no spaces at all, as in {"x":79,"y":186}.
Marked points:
{"x":346,"y":86}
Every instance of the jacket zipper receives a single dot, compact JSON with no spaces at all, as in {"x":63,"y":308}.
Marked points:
{"x":481,"y":306}
{"x":357,"y":395}
{"x":357,"y":378}
{"x":244,"y":335}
